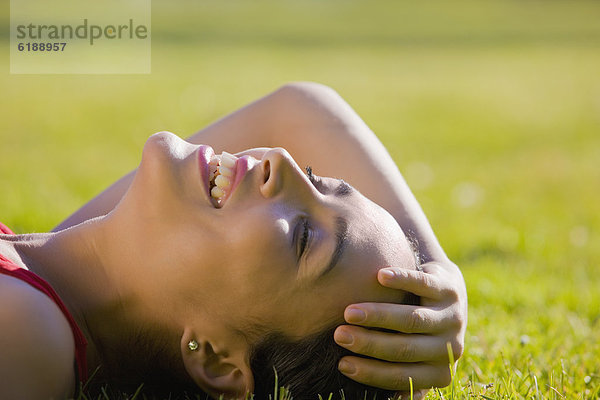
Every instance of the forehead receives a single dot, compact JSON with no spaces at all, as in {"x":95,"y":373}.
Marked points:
{"x":371,"y":228}
{"x":374,"y":241}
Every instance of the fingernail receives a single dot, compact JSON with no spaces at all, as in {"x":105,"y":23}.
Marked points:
{"x":354,"y":315}
{"x":388,"y":273}
{"x":343,"y":337}
{"x":346,"y":367}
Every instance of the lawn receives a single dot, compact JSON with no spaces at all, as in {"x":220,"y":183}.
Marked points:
{"x":491,"y":109}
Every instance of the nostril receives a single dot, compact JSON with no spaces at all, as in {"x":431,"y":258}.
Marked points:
{"x":267,"y":171}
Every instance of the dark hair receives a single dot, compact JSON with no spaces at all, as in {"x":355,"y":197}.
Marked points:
{"x":307,"y":367}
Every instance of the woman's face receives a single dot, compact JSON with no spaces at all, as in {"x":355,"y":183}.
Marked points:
{"x":280,"y":249}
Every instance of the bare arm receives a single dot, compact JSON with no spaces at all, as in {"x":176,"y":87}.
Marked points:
{"x":317,"y":128}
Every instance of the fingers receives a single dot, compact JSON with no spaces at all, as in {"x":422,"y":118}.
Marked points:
{"x":394,"y":347}
{"x":392,"y":376}
{"x":417,"y":347}
{"x":401,"y":317}
{"x":424,"y":284}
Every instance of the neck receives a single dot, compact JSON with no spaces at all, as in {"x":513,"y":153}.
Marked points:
{"x":82,"y":265}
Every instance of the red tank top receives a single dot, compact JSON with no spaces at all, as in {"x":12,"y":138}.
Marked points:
{"x":7,"y":267}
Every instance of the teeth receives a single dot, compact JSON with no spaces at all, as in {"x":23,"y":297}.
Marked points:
{"x":227,"y":160}
{"x":217,"y":192}
{"x":222,"y":182}
{"x":220,"y":174}
{"x":225,"y":171}
{"x":212,"y":167}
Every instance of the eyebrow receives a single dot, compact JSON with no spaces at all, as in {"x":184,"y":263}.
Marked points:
{"x":343,"y":189}
{"x":341,"y":236}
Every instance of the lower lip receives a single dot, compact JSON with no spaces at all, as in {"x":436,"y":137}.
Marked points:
{"x":205,"y":153}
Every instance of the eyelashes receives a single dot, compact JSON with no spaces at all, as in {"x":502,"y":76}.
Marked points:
{"x":311,"y":177}
{"x":342,"y":189}
{"x":306,"y":226}
{"x":304,"y":239}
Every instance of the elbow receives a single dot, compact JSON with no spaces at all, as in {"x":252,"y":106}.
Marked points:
{"x":305,"y":91}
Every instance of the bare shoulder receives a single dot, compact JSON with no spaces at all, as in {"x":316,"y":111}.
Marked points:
{"x":36,"y":344}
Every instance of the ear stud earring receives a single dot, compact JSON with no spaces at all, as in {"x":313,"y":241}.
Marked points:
{"x":193,"y":345}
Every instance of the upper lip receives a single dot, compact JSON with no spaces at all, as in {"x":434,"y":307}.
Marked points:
{"x":242,"y":166}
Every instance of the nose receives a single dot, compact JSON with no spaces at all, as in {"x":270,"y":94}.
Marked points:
{"x":280,"y":172}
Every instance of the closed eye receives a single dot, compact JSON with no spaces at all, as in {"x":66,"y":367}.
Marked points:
{"x":304,"y":238}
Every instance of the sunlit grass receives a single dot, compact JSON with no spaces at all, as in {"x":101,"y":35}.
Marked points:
{"x":491,"y":109}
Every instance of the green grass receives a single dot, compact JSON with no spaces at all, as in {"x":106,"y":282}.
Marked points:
{"x":490,"y":108}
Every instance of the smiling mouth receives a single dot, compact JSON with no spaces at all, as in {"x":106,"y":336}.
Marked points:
{"x":221,"y":175}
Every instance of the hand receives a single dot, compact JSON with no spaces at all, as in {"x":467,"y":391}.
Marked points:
{"x":418,"y":347}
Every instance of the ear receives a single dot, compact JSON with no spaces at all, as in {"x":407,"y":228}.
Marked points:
{"x":218,"y":369}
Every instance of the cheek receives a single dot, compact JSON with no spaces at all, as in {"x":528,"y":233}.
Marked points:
{"x":250,"y":268}
{"x":249,"y":258}
{"x":254,"y":290}
{"x":261,"y":236}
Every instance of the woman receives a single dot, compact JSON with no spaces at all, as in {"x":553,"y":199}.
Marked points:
{"x":169,"y":279}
